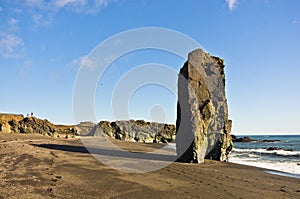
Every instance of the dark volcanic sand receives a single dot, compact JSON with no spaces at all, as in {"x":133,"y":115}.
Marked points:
{"x":28,"y":170}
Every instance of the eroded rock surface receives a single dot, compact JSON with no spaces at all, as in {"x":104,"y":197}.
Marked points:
{"x":12,"y":123}
{"x":203,"y":128}
{"x":136,"y":130}
{"x":84,"y":128}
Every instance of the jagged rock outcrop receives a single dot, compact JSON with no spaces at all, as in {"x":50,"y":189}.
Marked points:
{"x":202,"y":126}
{"x":84,"y":128}
{"x":11,"y":123}
{"x":135,"y":130}
{"x":242,"y":139}
{"x":249,"y":139}
{"x":7,"y":119}
{"x":132,"y":130}
{"x":4,"y":117}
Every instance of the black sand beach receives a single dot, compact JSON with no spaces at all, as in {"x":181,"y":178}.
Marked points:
{"x":29,"y":169}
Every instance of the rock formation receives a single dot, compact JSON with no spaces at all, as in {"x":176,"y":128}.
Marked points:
{"x":84,"y":128}
{"x":249,"y":139}
{"x":11,"y":123}
{"x":202,"y":126}
{"x":132,"y":130}
{"x":135,"y":130}
{"x":242,"y":139}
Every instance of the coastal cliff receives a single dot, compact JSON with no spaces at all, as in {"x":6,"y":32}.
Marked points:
{"x":132,"y":130}
{"x":13,"y":123}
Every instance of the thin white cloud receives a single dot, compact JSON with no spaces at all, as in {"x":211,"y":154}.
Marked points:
{"x":98,"y":5}
{"x":296,"y":22}
{"x":90,"y":62}
{"x":79,"y":6}
{"x":42,"y":13}
{"x":34,"y":3}
{"x":10,"y":45}
{"x":231,"y":4}
{"x":76,"y":63}
{"x":40,"y":20}
{"x":63,"y":3}
{"x":12,"y":21}
{"x":82,"y":61}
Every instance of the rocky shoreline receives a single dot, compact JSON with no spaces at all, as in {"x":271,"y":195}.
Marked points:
{"x":249,"y":139}
{"x":132,"y":130}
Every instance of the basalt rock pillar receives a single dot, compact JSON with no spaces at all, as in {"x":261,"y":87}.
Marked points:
{"x":202,"y":126}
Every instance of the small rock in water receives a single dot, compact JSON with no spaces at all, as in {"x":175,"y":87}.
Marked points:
{"x":271,"y":141}
{"x":274,"y":148}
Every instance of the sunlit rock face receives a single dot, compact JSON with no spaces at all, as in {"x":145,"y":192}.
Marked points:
{"x":202,"y":126}
{"x":13,"y":123}
{"x":135,"y":131}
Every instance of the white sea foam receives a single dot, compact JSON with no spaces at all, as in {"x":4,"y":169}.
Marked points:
{"x":253,"y":159}
{"x":280,"y":152}
{"x":288,"y":166}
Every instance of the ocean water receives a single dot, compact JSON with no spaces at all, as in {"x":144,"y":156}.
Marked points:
{"x":282,"y":156}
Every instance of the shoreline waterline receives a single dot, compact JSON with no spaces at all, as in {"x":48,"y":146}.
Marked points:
{"x":284,"y":168}
{"x":283,"y":174}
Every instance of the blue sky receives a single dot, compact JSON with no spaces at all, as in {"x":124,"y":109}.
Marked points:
{"x":42,"y":44}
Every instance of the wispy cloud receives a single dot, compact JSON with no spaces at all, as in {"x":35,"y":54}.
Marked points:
{"x":34,"y":3}
{"x":85,"y":61}
{"x":64,"y":3}
{"x":296,"y":22}
{"x":90,"y":62}
{"x":40,"y":20}
{"x":44,"y":10}
{"x":76,"y":63}
{"x":79,"y":6}
{"x":12,"y":21}
{"x":10,"y":45}
{"x":43,"y":14}
{"x":231,"y":4}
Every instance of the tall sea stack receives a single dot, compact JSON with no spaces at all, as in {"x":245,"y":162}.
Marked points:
{"x":202,"y":126}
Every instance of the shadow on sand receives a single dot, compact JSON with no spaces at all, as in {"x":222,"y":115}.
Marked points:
{"x":109,"y":152}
